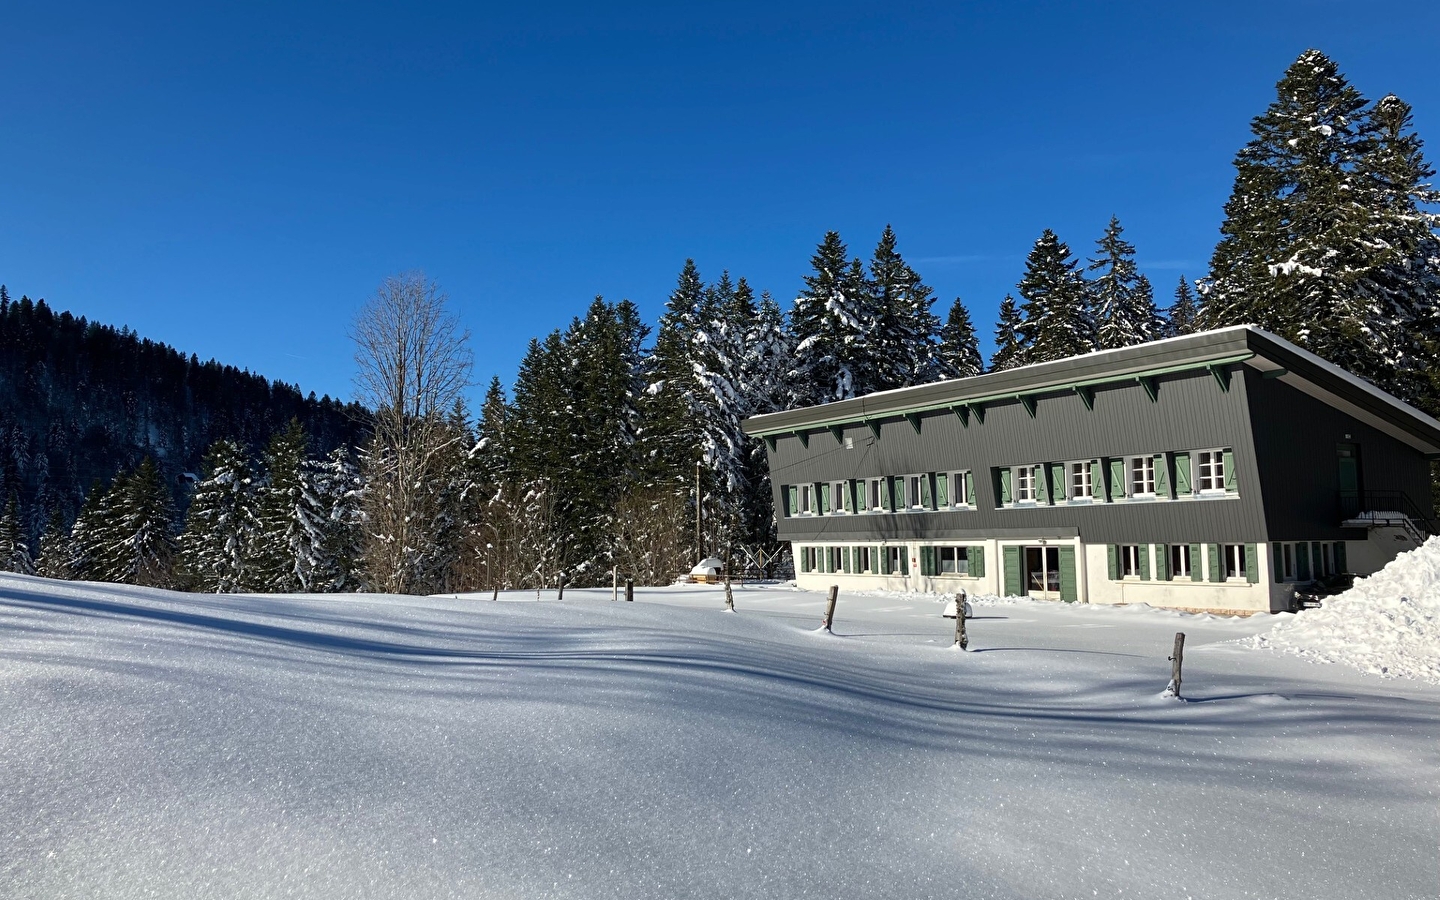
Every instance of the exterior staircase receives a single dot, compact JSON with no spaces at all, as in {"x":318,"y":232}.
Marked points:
{"x":1386,"y":509}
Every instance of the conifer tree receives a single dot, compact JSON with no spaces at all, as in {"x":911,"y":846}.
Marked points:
{"x":903,"y":331}
{"x":1182,"y":310}
{"x":1009,"y":337}
{"x":340,"y":491}
{"x":666,"y":408}
{"x":139,"y":528}
{"x":959,"y":346}
{"x":289,"y":520}
{"x":830,"y":323}
{"x":1056,"y":305}
{"x":14,"y":549}
{"x":87,"y":535}
{"x":221,"y":522}
{"x":1123,"y":314}
{"x":54,"y":558}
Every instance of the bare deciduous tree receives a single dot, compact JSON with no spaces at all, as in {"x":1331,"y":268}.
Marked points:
{"x":413,"y":364}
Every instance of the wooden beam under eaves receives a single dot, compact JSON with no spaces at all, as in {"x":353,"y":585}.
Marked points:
{"x":1275,"y":373}
{"x":1087,"y":396}
{"x":962,"y":412}
{"x":770,"y":441}
{"x":874,"y":428}
{"x":1028,"y":401}
{"x":979,"y":410}
{"x":839,"y":432}
{"x":1151,"y":389}
{"x":804,"y":439}
{"x":914,"y":420}
{"x":1222,"y":377}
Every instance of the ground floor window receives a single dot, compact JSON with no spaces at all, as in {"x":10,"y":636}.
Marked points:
{"x":1180,"y":561}
{"x":897,"y":560}
{"x":864,"y":561}
{"x":954,"y":560}
{"x":808,"y":559}
{"x":1129,"y":560}
{"x":1234,"y":560}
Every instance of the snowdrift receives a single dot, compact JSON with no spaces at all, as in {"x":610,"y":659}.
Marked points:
{"x":1388,"y":624}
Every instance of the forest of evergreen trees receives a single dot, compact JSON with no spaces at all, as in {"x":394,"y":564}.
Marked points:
{"x":609,"y":439}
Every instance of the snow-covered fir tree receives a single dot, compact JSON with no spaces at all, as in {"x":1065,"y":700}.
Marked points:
{"x":290,"y":520}
{"x":139,"y":529}
{"x":340,"y":491}
{"x":766,"y":388}
{"x":87,"y":534}
{"x":1056,"y":305}
{"x":721,"y":402}
{"x":1123,"y":313}
{"x":830,"y":323}
{"x":959,"y":345}
{"x":14,"y":548}
{"x":1009,"y":337}
{"x":903,"y":344}
{"x":1181,"y":316}
{"x":221,"y":522}
{"x":54,"y":557}
{"x":670,"y":434}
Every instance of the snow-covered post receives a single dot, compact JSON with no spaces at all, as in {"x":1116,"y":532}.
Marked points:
{"x":729,"y":597}
{"x":560,"y":591}
{"x":495,"y":594}
{"x":1173,"y":688}
{"x":629,"y":590}
{"x":962,"y":640}
{"x":830,"y":609}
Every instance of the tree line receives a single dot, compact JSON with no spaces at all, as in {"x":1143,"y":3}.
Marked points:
{"x":616,"y":451}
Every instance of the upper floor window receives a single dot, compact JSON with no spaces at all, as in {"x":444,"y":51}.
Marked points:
{"x":807,"y":500}
{"x":1142,"y":476}
{"x":874,"y":498}
{"x":840,"y":496}
{"x":914,"y":496}
{"x":962,"y":489}
{"x":1025,"y":490}
{"x":1082,"y":485}
{"x":1210,"y":470}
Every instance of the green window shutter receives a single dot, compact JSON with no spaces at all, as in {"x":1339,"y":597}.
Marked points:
{"x":887,"y":497}
{"x":1197,"y":573}
{"x":874,"y":560}
{"x":1302,"y":561}
{"x":827,"y":503}
{"x":1068,"y":591}
{"x":905,"y":561}
{"x":884,"y":560}
{"x":1277,"y":562}
{"x":1117,"y":479}
{"x":1162,"y":476}
{"x":848,"y":492}
{"x":1182,"y":475}
{"x":1057,"y":482}
{"x":1229,"y":470}
{"x":1252,"y":563}
{"x":976,"y":555}
{"x":942,"y":490}
{"x":1162,"y":562}
{"x":927,"y":496}
{"x":1113,"y":553}
{"x":1011,"y":559}
{"x":1217,"y":572}
{"x":845,"y":561}
{"x":792,"y":497}
{"x":1042,"y":489}
{"x":1339,"y":556}
{"x":1005,"y":495}
{"x":970,"y":491}
{"x":1097,"y":479}
{"x":1144,"y":551}
{"x":927,"y":561}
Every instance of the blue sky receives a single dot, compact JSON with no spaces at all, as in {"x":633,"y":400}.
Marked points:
{"x":235,"y":180}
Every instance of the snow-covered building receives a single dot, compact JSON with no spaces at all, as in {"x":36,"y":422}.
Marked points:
{"x":1212,"y":471}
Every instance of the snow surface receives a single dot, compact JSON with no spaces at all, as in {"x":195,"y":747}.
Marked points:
{"x":1387,"y":624}
{"x":168,"y":745}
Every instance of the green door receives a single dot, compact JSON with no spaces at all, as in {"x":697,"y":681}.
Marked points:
{"x":1068,"y":592}
{"x":1012,"y":572}
{"x":1348,"y":460}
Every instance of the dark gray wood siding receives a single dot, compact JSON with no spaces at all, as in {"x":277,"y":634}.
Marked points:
{"x":1295,"y":442}
{"x":1191,"y":412}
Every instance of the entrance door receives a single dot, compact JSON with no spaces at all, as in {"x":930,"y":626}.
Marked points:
{"x":1042,"y":572}
{"x":1347,"y":458}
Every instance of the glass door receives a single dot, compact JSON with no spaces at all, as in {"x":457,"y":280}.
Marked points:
{"x":1042,"y":572}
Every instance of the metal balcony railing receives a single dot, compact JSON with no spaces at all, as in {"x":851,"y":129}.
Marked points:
{"x":1379,"y":508}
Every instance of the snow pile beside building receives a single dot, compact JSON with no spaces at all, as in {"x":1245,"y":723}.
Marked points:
{"x":1387,"y":624}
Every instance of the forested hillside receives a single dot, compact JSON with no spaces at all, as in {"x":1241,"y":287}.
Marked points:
{"x":81,"y":401}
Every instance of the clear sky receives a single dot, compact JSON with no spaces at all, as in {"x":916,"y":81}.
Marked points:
{"x":235,"y":180}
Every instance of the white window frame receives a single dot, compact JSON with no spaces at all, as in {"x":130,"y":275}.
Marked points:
{"x":958,"y":555}
{"x":860,"y":557}
{"x":806,"y":500}
{"x":1140,"y":472}
{"x":1129,"y":566}
{"x":838,"y":490}
{"x":1210,"y":469}
{"x":835,"y":559}
{"x":1079,"y":479}
{"x":1233,"y":563}
{"x":1181,"y":565}
{"x":912,"y":483}
{"x":893,"y":556}
{"x":874,"y":494}
{"x":1025,"y":475}
{"x":960,"y":489}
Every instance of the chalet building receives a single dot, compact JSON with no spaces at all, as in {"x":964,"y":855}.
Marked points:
{"x":1213,"y":471}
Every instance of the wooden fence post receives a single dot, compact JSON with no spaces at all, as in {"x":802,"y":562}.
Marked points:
{"x":495,"y":594}
{"x":560,"y":592}
{"x":729,"y":596}
{"x":1176,"y":659}
{"x":829,"y":621}
{"x":614,"y":583}
{"x":962,"y":640}
{"x":629,"y":590}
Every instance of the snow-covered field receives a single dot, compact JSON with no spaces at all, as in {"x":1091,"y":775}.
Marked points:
{"x":162,"y":745}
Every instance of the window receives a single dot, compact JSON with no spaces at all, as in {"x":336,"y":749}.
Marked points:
{"x":913,"y":498}
{"x":839,"y":496}
{"x":873,"y":497}
{"x":864,"y":563}
{"x":954,"y":560}
{"x":896,"y":560}
{"x":1081,"y":486}
{"x":1025,"y":484}
{"x":1234,"y":555}
{"x":1210,"y":470}
{"x":805,"y":499}
{"x":961,"y":488}
{"x":1325,"y":564}
{"x":1287,"y":561}
{"x":1130,"y":561}
{"x":809,"y":559}
{"x":835,"y":559}
{"x":1142,"y":476}
{"x":1179,"y":560}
